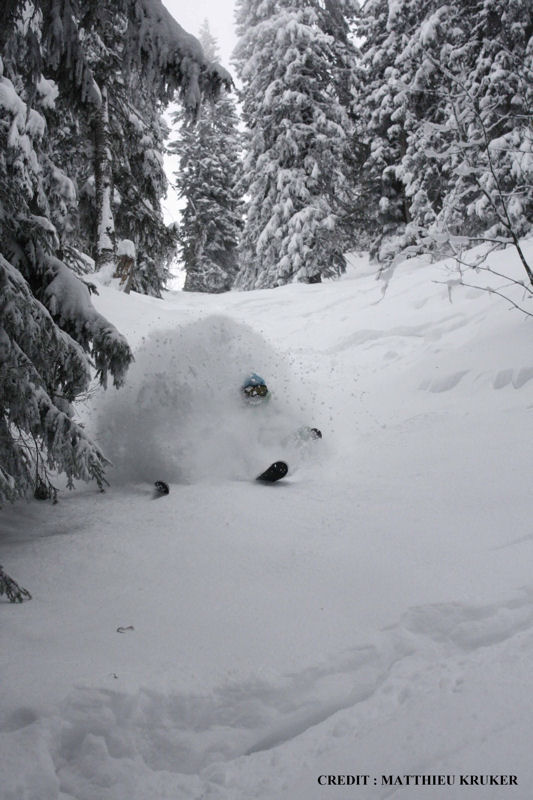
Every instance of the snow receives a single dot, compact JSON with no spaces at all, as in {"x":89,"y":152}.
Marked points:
{"x":47,"y":92}
{"x":395,"y":9}
{"x":10,"y":101}
{"x":64,"y":185}
{"x":35,"y":125}
{"x":429,"y":28}
{"x":370,"y":615}
{"x":125,"y":247}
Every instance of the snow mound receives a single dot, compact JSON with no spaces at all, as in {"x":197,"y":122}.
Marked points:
{"x":181,"y":416}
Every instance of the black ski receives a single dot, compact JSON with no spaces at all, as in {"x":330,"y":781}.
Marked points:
{"x":274,"y":473}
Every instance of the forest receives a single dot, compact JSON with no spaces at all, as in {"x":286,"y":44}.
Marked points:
{"x":399,"y":128}
{"x":355,"y":238}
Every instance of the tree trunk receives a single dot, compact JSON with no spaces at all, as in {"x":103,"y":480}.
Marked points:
{"x":124,"y":272}
{"x":103,"y":175}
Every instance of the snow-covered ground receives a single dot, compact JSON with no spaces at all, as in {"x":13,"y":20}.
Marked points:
{"x":371,"y":615}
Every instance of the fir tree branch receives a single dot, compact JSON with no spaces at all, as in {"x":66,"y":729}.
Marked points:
{"x":11,"y":589}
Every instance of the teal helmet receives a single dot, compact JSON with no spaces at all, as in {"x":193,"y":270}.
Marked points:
{"x":254,"y":388}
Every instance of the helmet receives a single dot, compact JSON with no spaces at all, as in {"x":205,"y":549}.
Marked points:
{"x":254,"y":388}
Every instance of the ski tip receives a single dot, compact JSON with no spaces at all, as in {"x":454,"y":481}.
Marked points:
{"x":161,"y":488}
{"x":274,"y":473}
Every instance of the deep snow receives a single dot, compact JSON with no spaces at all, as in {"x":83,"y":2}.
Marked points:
{"x":370,"y":615}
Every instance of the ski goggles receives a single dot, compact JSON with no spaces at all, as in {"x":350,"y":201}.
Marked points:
{"x":260,"y":390}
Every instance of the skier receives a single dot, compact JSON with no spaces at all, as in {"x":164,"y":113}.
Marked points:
{"x":255,"y":392}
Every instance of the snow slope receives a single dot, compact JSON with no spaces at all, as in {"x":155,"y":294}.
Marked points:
{"x":371,"y":615}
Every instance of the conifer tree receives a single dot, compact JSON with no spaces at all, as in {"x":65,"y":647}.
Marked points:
{"x":48,"y":327}
{"x":123,"y":180}
{"x":387,"y":115}
{"x":209,"y":160}
{"x":51,"y":336}
{"x":446,"y":106}
{"x":140,"y":185}
{"x":296,"y":144}
{"x":486,"y":83}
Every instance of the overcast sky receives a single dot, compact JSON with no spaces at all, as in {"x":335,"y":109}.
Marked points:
{"x":219,"y":13}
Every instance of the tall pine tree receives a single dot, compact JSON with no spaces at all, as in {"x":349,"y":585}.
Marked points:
{"x":51,"y":336}
{"x":446,"y":106}
{"x":485,"y":73}
{"x":296,"y":145}
{"x":123,"y":181}
{"x":209,"y":156}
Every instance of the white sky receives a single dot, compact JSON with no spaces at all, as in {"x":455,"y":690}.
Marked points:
{"x":219,"y":13}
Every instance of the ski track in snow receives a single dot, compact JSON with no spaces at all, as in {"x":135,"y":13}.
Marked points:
{"x":107,"y":743}
{"x":371,"y":614}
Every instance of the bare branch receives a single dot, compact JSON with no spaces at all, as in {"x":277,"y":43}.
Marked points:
{"x":490,"y":291}
{"x":502,"y":215}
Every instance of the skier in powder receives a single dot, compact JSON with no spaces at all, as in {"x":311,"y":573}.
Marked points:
{"x":255,"y":390}
{"x":272,"y":434}
{"x":256,"y":393}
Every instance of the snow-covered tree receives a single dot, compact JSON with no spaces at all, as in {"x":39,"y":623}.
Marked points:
{"x":48,"y":327}
{"x":209,"y":162}
{"x":485,"y":74}
{"x":51,"y":336}
{"x":338,"y":19}
{"x":387,"y":115}
{"x":446,"y":108}
{"x":296,"y":145}
{"x":140,"y":185}
{"x":132,"y":58}
{"x":125,"y":183}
